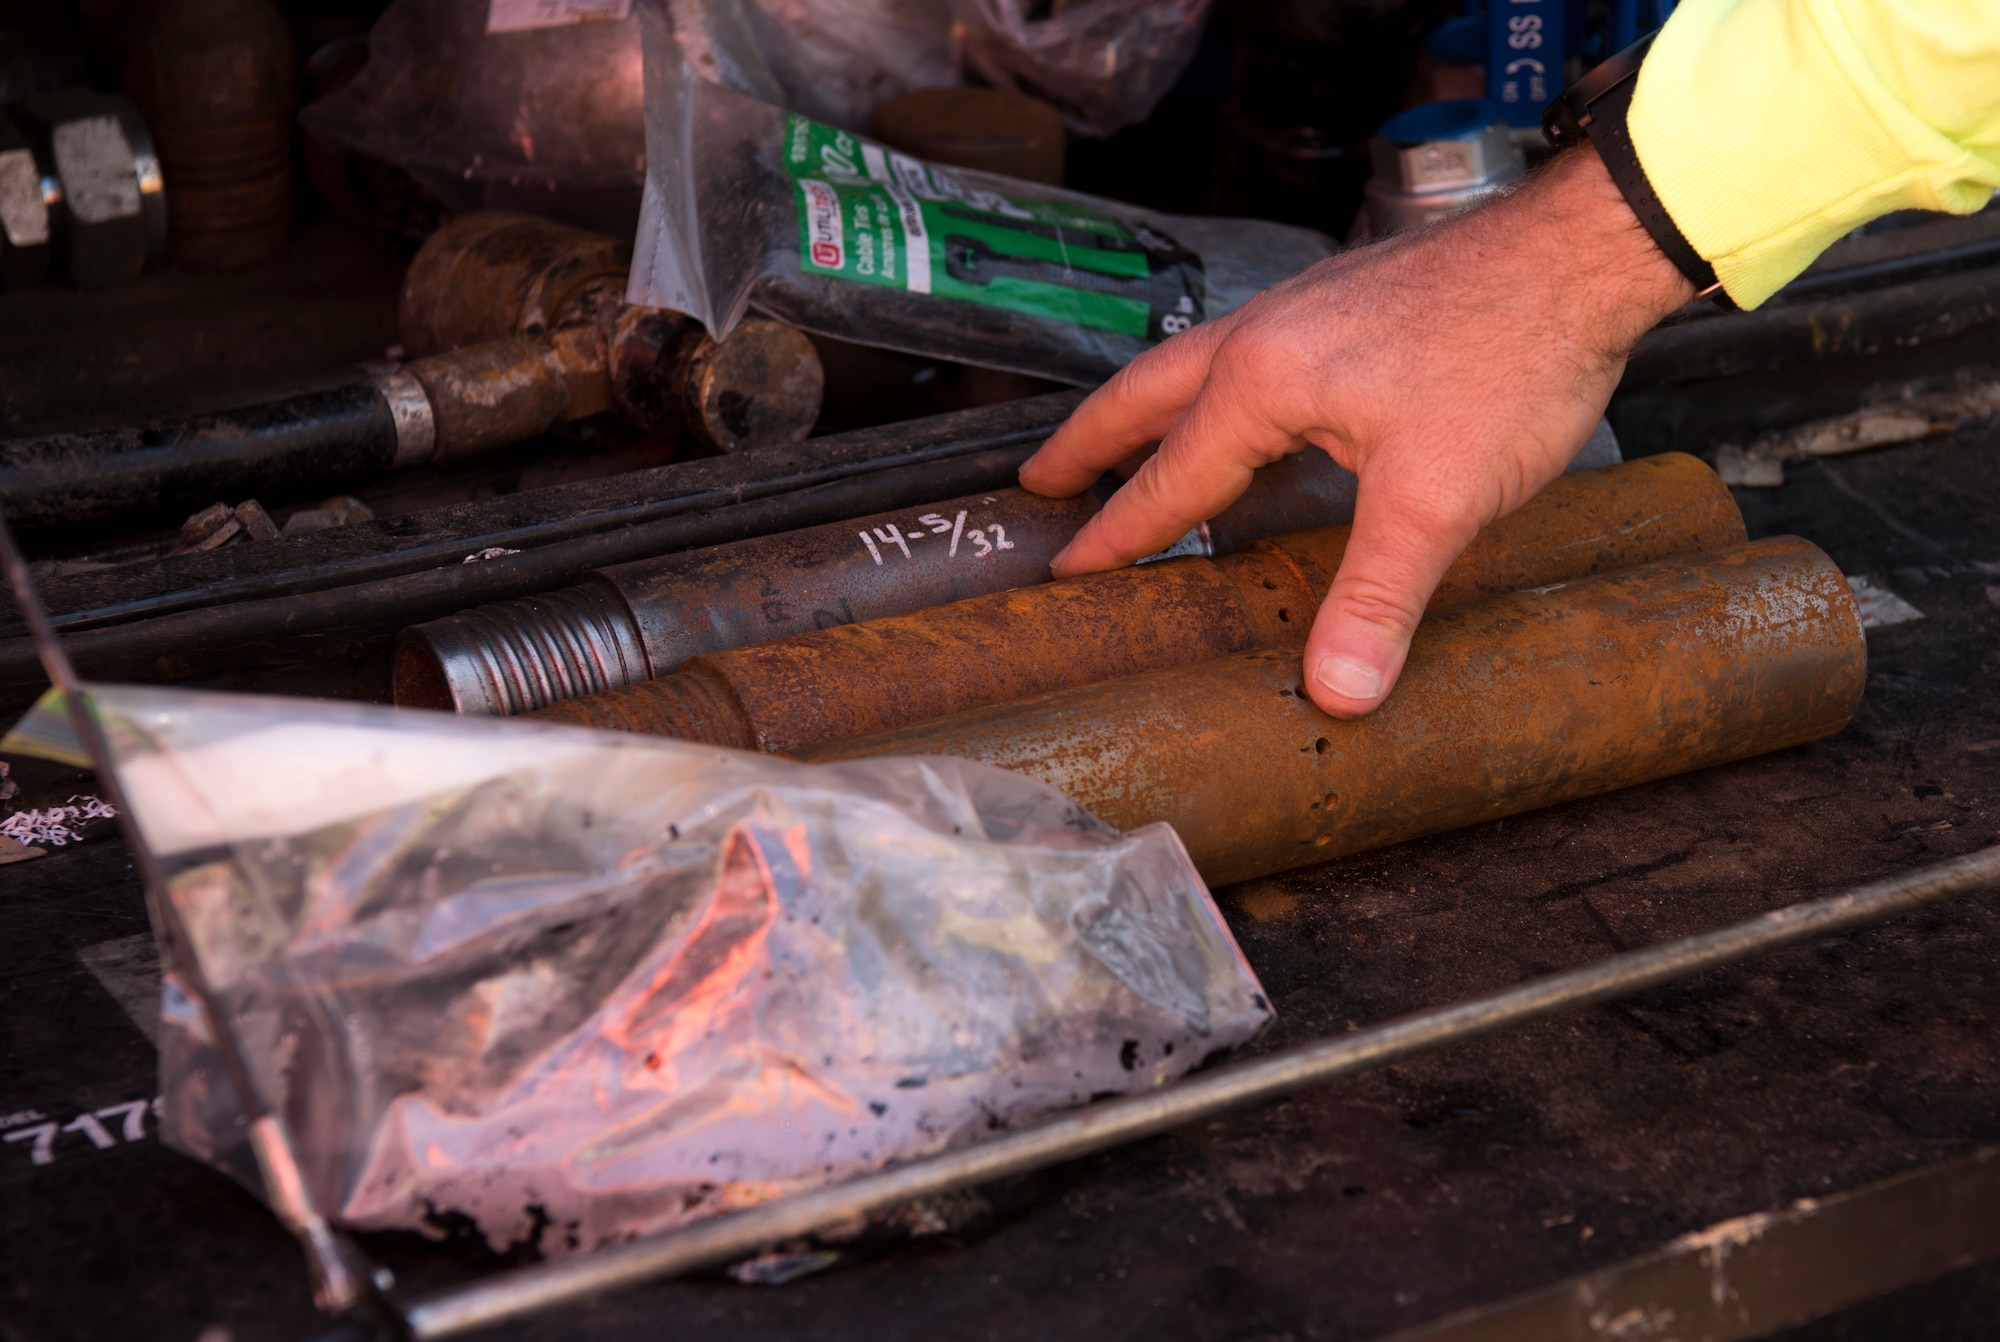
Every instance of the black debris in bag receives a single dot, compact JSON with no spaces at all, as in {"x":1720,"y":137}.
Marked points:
{"x":747,"y":205}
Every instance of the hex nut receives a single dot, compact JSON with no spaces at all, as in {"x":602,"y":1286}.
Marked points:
{"x":1434,"y":160}
{"x":1486,"y":159}
{"x":110,"y":215}
{"x":24,"y":215}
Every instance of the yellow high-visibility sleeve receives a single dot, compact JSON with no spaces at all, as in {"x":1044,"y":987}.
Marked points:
{"x":1769,"y":128}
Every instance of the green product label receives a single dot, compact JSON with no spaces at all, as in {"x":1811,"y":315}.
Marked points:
{"x":874,"y":216}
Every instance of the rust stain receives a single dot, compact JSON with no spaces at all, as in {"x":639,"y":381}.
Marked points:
{"x":1267,"y":900}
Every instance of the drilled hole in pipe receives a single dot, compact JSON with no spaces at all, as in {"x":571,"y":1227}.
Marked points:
{"x":1284,"y":617}
{"x":1321,"y":746}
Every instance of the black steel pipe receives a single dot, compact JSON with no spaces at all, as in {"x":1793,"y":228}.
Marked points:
{"x":353,"y":620}
{"x":339,"y":434}
{"x":948,"y":450}
{"x":1898,"y":316}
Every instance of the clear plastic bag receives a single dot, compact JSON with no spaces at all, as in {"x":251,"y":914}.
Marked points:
{"x":547,"y":119}
{"x":1104,"y":63}
{"x":831,"y":60}
{"x":579,"y":986}
{"x":749,"y":205}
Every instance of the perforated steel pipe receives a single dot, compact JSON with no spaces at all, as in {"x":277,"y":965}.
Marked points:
{"x":1515,"y":702}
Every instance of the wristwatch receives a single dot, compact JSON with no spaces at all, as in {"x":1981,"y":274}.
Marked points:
{"x":1595,"y":108}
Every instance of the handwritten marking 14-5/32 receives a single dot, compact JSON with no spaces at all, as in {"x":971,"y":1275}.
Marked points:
{"x":978,"y":542}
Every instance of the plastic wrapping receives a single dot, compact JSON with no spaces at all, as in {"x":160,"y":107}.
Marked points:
{"x":1105,"y":64}
{"x":545,"y":119}
{"x":746,"y":204}
{"x":831,"y":60}
{"x":577,"y":987}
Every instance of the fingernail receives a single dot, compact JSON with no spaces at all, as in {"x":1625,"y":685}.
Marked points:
{"x":1349,"y":679}
{"x":1060,"y":555}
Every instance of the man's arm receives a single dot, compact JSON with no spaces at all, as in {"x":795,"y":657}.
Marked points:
{"x":1455,"y":370}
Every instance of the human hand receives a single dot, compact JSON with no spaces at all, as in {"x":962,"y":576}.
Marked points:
{"x":1455,"y":370}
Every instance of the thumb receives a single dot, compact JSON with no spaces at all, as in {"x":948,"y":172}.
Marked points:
{"x":1396,"y":554}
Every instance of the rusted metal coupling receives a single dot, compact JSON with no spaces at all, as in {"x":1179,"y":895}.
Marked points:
{"x":794,"y":693}
{"x":1515,"y":702}
{"x":496,"y":274}
{"x":517,"y":325}
{"x":499,"y":276}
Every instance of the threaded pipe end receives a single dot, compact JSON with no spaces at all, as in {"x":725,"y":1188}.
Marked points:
{"x":513,"y":657}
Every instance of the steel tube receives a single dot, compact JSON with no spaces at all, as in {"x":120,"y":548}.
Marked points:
{"x":362,"y":597}
{"x":632,"y":622}
{"x":803,"y":691}
{"x":1207,"y":1095}
{"x":1513,"y":703}
{"x":78,"y":477}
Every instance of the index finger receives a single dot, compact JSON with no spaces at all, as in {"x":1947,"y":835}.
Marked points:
{"x":1136,"y":407}
{"x":1204,"y":462}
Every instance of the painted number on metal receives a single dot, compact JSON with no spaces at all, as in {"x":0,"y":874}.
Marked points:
{"x":975,"y":541}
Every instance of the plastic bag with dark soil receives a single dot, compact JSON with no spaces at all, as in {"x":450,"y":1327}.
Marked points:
{"x":578,"y":987}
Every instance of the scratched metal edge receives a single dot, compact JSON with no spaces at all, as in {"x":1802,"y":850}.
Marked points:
{"x":1751,"y":1276}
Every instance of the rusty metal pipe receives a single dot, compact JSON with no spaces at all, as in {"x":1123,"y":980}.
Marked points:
{"x":495,"y":274}
{"x":498,"y":276}
{"x":792,"y":694}
{"x":1512,"y":703}
{"x":507,"y":391}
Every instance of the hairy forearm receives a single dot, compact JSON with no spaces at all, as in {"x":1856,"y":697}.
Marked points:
{"x":1567,"y":249}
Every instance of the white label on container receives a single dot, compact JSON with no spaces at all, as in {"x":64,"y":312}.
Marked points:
{"x":916,"y":239}
{"x":514,"y":16}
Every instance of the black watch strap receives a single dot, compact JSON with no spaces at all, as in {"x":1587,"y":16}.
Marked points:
{"x":1596,"y":106}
